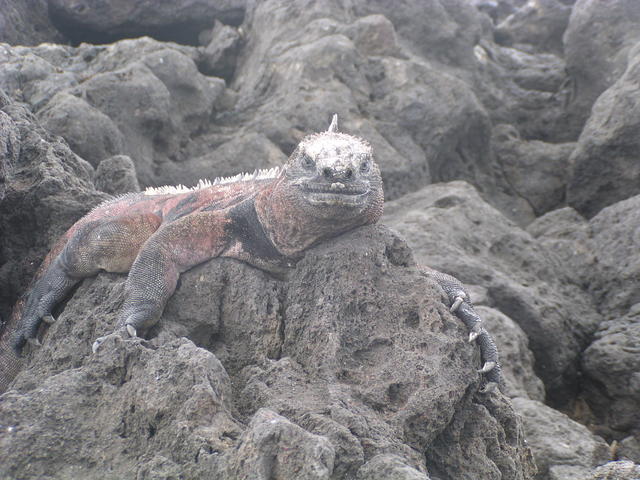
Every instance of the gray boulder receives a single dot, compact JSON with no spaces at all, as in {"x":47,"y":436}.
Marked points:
{"x":99,"y":21}
{"x":568,"y":234}
{"x":140,"y":97}
{"x":615,"y":279}
{"x":366,"y":359}
{"x":88,"y":131}
{"x":27,"y":23}
{"x":274,"y":448}
{"x":46,"y":189}
{"x":621,"y":470}
{"x":606,"y":167}
{"x":602,"y":253}
{"x":536,"y":26}
{"x":612,"y":374}
{"x":116,"y":176}
{"x":537,"y":171}
{"x":451,"y":229}
{"x":563,"y":449}
{"x":596,"y":45}
{"x":386,"y":466}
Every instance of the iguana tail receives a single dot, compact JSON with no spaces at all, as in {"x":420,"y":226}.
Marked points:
{"x":10,"y":364}
{"x":10,"y":360}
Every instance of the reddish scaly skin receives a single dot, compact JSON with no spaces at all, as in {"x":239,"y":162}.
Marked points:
{"x":329,"y":185}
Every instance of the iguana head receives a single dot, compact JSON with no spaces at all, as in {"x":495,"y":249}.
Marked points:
{"x":330,"y":184}
{"x":334,"y":174}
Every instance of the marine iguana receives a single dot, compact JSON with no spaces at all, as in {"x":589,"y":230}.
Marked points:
{"x":329,"y":185}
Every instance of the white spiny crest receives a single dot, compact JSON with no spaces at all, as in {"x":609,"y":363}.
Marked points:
{"x":261,"y":174}
{"x":334,"y":124}
{"x":334,"y":145}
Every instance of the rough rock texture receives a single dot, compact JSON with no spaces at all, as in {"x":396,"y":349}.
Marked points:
{"x":522,"y":160}
{"x":609,"y":136}
{"x":295,"y":453}
{"x":602,"y":252}
{"x":47,"y":188}
{"x":116,"y":175}
{"x":361,"y":358}
{"x":384,"y":466}
{"x":100,"y":21}
{"x":525,"y":281}
{"x":26,"y":22}
{"x":612,"y":368}
{"x":597,"y":42}
{"x":617,"y":471}
{"x":615,"y":241}
{"x":567,"y":233}
{"x":538,"y":25}
{"x":563,"y":449}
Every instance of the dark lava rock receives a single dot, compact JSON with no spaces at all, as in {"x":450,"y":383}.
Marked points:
{"x":616,"y":471}
{"x":612,"y":375}
{"x":100,"y":21}
{"x":536,"y":170}
{"x":116,"y":176}
{"x":451,"y":229}
{"x":26,"y":22}
{"x":365,"y":358}
{"x":47,"y":188}
{"x":563,"y":449}
{"x":606,"y":166}
{"x":567,"y":233}
{"x":536,"y":26}
{"x":615,"y":242}
{"x":596,"y":44}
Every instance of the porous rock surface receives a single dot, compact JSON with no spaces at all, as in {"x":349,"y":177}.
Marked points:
{"x":358,"y":360}
{"x":303,"y":375}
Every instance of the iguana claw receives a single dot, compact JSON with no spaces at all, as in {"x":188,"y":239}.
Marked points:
{"x":49,"y":319}
{"x":96,"y":344}
{"x":456,"y":304}
{"x":34,"y":342}
{"x":463,"y":308}
{"x":487,"y":367}
{"x":131,"y":330}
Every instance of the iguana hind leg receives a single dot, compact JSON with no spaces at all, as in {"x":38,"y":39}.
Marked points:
{"x":460,"y":304}
{"x":109,"y":245}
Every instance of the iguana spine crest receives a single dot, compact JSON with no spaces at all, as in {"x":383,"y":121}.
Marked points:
{"x":260,"y":174}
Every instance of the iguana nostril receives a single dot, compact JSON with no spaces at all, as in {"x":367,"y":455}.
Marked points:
{"x":327,"y":172}
{"x":348,"y":173}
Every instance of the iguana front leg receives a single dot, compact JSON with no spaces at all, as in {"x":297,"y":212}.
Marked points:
{"x":95,"y":245}
{"x":460,"y":304}
{"x":173,"y":249}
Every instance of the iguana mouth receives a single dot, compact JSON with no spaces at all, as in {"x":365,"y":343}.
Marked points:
{"x":336,"y":193}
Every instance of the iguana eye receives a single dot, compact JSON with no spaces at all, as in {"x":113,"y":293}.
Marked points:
{"x":365,"y":166}
{"x":307,"y":161}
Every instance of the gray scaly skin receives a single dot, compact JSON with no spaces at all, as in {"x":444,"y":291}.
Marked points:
{"x":330,"y":185}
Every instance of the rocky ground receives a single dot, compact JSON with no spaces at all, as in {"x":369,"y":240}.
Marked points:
{"x":507,"y":136}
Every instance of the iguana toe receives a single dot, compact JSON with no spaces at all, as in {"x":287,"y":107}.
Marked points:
{"x":49,"y":319}
{"x":34,"y":342}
